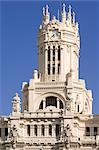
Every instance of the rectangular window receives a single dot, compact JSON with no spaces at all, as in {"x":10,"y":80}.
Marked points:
{"x":50,"y":130}
{"x":35,"y":130}
{"x":43,"y":130}
{"x":53,"y":69}
{"x":58,"y":68}
{"x":6,"y":131}
{"x":95,"y":130}
{"x":48,"y":69}
{"x":48,"y":53}
{"x":53,"y":53}
{"x":28,"y":130}
{"x":57,"y":129}
{"x":59,"y":53}
{"x":87,"y":131}
{"x":77,"y":108}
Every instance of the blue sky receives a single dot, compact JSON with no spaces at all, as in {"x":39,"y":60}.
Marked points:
{"x":19,"y":22}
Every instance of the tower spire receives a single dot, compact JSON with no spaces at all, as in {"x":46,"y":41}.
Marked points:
{"x":73,"y":18}
{"x":63,"y":13}
{"x":43,"y":11}
{"x":69,"y":14}
{"x":47,"y":10}
{"x":47,"y":15}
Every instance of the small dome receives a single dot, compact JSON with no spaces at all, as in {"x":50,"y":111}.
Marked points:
{"x":16,"y":97}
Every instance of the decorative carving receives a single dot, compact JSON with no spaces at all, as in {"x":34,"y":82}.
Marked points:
{"x":13,"y":135}
{"x":67,"y":134}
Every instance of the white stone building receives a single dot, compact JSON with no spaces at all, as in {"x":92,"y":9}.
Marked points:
{"x":56,"y":106}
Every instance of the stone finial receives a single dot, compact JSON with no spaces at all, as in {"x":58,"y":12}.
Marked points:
{"x":70,"y":9}
{"x":16,"y":97}
{"x":64,"y":6}
{"x":47,"y":15}
{"x":77,"y":29}
{"x":69,"y":14}
{"x":47,"y":10}
{"x":43,"y":11}
{"x":16,"y":104}
{"x":73,"y":18}
{"x":63,"y":13}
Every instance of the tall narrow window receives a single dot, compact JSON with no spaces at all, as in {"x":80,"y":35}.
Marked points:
{"x":77,"y":108}
{"x":95,"y":130}
{"x":87,"y":131}
{"x":53,"y":53}
{"x":48,"y":69}
{"x":53,"y":69}
{"x":59,"y":53}
{"x":35,"y":130}
{"x":43,"y":130}
{"x":50,"y":130}
{"x":57,"y":129}
{"x":58,"y":68}
{"x":0,"y":132}
{"x":48,"y":53}
{"x":28,"y":130}
{"x":6,"y":131}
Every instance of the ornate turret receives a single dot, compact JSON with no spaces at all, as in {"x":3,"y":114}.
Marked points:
{"x":57,"y":42}
{"x":16,"y":104}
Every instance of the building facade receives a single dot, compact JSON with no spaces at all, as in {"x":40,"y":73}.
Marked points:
{"x":56,"y":106}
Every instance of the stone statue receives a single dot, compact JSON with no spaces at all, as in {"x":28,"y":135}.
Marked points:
{"x":67,"y":136}
{"x":13,"y":136}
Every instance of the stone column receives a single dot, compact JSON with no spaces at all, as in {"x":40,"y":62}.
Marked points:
{"x":46,"y":50}
{"x":44,"y":103}
{"x":46,"y":131}
{"x":39,"y":130}
{"x":91,"y":131}
{"x":53,"y":130}
{"x":51,"y":55}
{"x":32,"y":130}
{"x":25,"y":130}
{"x":58,"y":103}
{"x":56,"y":60}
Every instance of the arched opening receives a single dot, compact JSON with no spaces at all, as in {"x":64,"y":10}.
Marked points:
{"x":51,"y":101}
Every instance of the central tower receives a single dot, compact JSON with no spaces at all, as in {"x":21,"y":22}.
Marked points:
{"x":58,"y":44}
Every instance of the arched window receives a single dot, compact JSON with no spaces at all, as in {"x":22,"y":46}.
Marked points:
{"x":35,"y":130}
{"x":42,"y":130}
{"x":50,"y":130}
{"x":51,"y":101}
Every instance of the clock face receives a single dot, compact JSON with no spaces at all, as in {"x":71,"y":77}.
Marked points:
{"x":55,"y":34}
